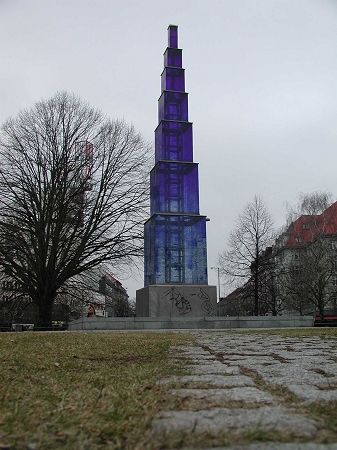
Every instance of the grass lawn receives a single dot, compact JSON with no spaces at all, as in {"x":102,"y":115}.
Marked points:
{"x":82,"y":390}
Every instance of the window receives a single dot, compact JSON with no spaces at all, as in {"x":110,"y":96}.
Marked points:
{"x":306,"y":226}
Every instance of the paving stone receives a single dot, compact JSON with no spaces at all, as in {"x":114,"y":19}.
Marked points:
{"x":274,"y":446}
{"x":215,"y":368}
{"x":193,"y":356}
{"x":313,"y":360}
{"x":197,"y":360}
{"x":310,"y":394}
{"x":204,"y":362}
{"x":219,"y":420}
{"x":203,"y":359}
{"x":330,"y":368}
{"x":236,"y":394}
{"x":189,"y":350}
{"x":289,"y":375}
{"x":306,"y":366}
{"x":312,"y":355}
{"x":211,"y":380}
{"x":249,"y":358}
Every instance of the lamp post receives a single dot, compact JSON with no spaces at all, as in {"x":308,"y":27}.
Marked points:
{"x":218,"y":270}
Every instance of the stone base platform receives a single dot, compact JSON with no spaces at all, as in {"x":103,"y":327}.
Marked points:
{"x":181,"y":300}
{"x":194,"y":323}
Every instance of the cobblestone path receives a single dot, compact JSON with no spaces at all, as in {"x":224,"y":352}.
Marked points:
{"x":253,"y":392}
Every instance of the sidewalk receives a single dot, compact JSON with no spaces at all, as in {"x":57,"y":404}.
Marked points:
{"x":253,"y":392}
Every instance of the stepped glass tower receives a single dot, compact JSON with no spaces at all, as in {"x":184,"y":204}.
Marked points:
{"x":175,"y":234}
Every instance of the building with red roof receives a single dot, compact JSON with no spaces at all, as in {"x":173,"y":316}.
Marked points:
{"x":305,"y":262}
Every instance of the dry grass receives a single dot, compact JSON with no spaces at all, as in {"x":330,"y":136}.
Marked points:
{"x":82,"y":390}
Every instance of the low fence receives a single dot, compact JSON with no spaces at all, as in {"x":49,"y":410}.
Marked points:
{"x":166,"y":323}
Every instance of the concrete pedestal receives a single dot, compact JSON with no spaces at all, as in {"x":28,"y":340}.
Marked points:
{"x":181,"y":300}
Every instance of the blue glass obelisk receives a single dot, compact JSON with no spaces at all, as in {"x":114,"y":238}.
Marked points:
{"x":175,"y":251}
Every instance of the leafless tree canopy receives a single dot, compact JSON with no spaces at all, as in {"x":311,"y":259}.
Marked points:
{"x":307,"y":284}
{"x":309,"y":204}
{"x":243,"y":258}
{"x":73,"y":193}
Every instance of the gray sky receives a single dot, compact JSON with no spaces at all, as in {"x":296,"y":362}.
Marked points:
{"x":261,"y":75}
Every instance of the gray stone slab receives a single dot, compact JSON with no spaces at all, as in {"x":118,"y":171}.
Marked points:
{"x":247,"y":395}
{"x":329,"y":368}
{"x":275,"y":446}
{"x":215,"y":368}
{"x":314,"y":361}
{"x":289,"y":375}
{"x":189,"y":350}
{"x":194,"y":359}
{"x":197,"y":360}
{"x":310,"y":394}
{"x":203,"y":359}
{"x":222,"y":420}
{"x":297,"y":355}
{"x":248,"y":358}
{"x":211,"y":380}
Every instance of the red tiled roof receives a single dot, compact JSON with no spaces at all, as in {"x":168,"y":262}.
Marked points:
{"x":306,"y":228}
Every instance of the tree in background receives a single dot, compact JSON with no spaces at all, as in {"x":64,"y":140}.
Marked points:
{"x":14,"y":306}
{"x":73,"y":194}
{"x":243,"y":260}
{"x":311,"y":204}
{"x":308,"y":281}
{"x":294,"y":294}
{"x":270,"y":303}
{"x":312,"y":280}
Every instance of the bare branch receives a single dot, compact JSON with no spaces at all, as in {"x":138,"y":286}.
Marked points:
{"x":73,"y":194}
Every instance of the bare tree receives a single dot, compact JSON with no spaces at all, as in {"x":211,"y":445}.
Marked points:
{"x":243,"y":259}
{"x":306,"y":283}
{"x":73,"y":194}
{"x":14,"y":306}
{"x":294,"y":289}
{"x":270,"y":302}
{"x":313,"y":276}
{"x":311,"y":204}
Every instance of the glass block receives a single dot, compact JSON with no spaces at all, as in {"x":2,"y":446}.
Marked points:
{"x":174,"y":188}
{"x":173,"y":79}
{"x":173,"y":106}
{"x":173,"y":36}
{"x":175,"y":250}
{"x":173,"y":57}
{"x":174,"y":141}
{"x":175,"y":235}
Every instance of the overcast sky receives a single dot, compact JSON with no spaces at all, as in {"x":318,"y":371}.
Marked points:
{"x":261,"y":74}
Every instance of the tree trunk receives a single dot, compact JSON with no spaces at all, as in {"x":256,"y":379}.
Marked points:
{"x":321,"y":303}
{"x":301,"y":310}
{"x":256,"y":296}
{"x":321,"y":311}
{"x":45,"y":313}
{"x":273,"y":296}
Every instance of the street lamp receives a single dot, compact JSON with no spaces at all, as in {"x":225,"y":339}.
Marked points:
{"x":218,"y":270}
